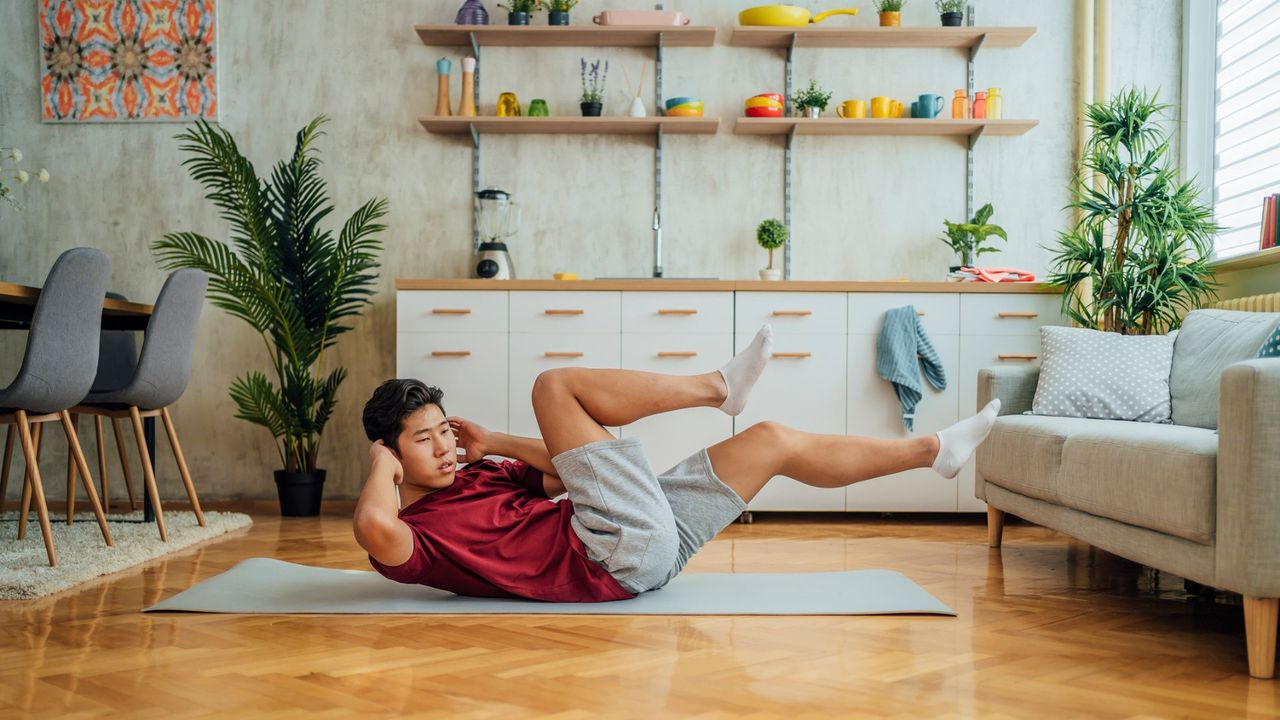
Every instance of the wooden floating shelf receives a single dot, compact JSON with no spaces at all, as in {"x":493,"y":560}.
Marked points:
{"x":571,"y":125}
{"x":888,"y":126}
{"x":567,"y":36}
{"x":878,"y":37}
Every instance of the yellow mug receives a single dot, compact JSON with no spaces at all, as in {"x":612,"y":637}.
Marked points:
{"x":852,"y":109}
{"x":895,"y":108}
{"x":508,"y":105}
{"x":880,"y":107}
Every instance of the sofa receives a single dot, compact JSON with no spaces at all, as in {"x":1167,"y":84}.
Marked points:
{"x":1199,"y":498}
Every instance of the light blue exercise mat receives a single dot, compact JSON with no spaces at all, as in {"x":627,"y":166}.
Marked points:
{"x":275,"y":587}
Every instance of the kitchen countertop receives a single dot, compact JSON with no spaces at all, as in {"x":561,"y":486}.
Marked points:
{"x":676,"y":285}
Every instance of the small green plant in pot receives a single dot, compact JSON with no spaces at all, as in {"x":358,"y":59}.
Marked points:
{"x":951,"y":11}
{"x":558,"y":11}
{"x":593,"y":79}
{"x":771,"y":235}
{"x":518,"y":11}
{"x":1138,"y":258}
{"x":295,"y":283}
{"x":968,"y":239}
{"x":812,"y":100}
{"x":890,"y":12}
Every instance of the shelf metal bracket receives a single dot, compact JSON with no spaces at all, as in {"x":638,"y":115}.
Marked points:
{"x":973,"y":139}
{"x":973,"y":51}
{"x":475,"y":150}
{"x":786,"y":206}
{"x":791,"y":49}
{"x":657,"y":161}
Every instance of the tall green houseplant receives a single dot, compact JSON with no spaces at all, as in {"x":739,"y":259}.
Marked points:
{"x":1138,"y":258}
{"x":295,"y":283}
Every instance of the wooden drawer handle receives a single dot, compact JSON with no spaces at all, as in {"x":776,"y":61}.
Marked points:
{"x":800,"y":355}
{"x":565,"y":312}
{"x":450,"y":353}
{"x":553,"y":354}
{"x":678,"y":354}
{"x":450,"y":311}
{"x":792,"y":313}
{"x":1016,"y":356}
{"x":677,"y":312}
{"x":1006,"y":314}
{"x":919,"y":313}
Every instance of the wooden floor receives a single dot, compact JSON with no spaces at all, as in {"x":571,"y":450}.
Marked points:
{"x":1047,"y":628}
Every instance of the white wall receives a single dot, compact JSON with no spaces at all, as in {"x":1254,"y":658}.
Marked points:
{"x":865,"y":208}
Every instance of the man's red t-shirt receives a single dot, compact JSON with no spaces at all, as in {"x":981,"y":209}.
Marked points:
{"x":495,"y":533}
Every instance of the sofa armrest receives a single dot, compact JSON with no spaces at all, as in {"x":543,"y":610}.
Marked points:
{"x":1247,"y":536}
{"x":1015,"y":385}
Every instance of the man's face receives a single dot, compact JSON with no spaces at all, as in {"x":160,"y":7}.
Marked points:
{"x":428,"y":450}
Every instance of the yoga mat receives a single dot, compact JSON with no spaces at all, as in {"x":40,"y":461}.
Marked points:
{"x":275,"y":587}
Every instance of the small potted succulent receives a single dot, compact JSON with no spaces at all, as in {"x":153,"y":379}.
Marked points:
{"x":967,"y":239}
{"x":558,"y":11}
{"x":952,"y":12}
{"x":771,"y":235}
{"x":593,"y":78}
{"x":890,"y":12}
{"x":518,"y":11}
{"x":812,"y":100}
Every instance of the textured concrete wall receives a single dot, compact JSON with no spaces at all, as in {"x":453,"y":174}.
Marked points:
{"x":865,"y":208}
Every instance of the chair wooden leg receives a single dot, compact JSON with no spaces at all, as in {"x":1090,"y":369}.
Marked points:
{"x":995,"y":526}
{"x":148,"y":472}
{"x":73,"y":441}
{"x":102,"y":464}
{"x":71,"y":474}
{"x":182,"y":464}
{"x":1260,"y":635}
{"x":25,"y":508}
{"x":8,"y":459}
{"x":31,"y":454}
{"x":124,"y":463}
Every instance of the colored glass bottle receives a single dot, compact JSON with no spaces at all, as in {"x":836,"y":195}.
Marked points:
{"x":442,"y":87}
{"x":995,"y":104}
{"x":960,"y":105}
{"x":979,"y":105}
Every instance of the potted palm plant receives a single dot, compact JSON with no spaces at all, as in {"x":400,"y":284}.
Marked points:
{"x":952,"y":12}
{"x":968,"y":239}
{"x":812,"y":100}
{"x":518,"y":11}
{"x":558,"y":11}
{"x":890,"y":12}
{"x":771,"y":235}
{"x":1138,"y":257}
{"x":295,"y":283}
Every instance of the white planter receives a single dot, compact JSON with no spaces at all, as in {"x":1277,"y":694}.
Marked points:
{"x":771,"y":273}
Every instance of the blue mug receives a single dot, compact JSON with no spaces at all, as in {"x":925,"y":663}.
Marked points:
{"x":929,"y":106}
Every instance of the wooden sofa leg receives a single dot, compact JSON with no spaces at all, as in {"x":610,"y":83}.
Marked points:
{"x":1260,"y":635}
{"x":995,"y":526}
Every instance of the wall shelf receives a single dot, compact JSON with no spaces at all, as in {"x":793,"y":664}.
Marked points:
{"x":887,"y":126}
{"x":570,"y":125}
{"x":566,"y":36}
{"x":877,"y":37}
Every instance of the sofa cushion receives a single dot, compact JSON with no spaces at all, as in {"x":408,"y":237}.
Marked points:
{"x":1161,"y":477}
{"x":1208,"y":342}
{"x":1092,"y":374}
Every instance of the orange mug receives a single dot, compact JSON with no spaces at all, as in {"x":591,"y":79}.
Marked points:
{"x":852,"y":109}
{"x":881,"y":108}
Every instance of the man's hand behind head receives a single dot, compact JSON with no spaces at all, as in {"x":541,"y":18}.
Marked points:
{"x":379,"y":453}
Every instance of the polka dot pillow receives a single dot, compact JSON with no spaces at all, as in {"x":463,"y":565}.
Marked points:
{"x":1092,"y":374}
{"x":1271,"y":348}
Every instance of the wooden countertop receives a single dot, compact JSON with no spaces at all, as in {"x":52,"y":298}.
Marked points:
{"x":729,"y":285}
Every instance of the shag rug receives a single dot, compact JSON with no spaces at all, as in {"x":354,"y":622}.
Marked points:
{"x":82,"y":555}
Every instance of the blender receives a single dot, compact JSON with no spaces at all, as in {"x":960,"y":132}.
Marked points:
{"x":497,"y":218}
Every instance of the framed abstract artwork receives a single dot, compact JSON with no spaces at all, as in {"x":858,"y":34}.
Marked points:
{"x":128,"y":60}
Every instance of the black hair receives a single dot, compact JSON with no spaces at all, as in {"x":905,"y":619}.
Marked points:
{"x":392,"y":402}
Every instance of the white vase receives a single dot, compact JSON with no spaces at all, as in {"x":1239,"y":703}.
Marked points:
{"x":771,"y":273}
{"x":637,"y":107}
{"x":813,"y":113}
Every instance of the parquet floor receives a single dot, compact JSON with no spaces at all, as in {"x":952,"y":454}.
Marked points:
{"x":1047,"y":628}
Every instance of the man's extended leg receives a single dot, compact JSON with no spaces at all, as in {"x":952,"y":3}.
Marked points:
{"x":748,"y":460}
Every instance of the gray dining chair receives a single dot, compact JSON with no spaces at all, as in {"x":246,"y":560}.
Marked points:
{"x":57,"y":372}
{"x":160,"y":378}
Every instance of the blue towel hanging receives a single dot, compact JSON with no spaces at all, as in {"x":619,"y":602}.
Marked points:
{"x":902,"y":350}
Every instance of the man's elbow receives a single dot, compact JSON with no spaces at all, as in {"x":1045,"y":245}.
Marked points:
{"x":372,"y":531}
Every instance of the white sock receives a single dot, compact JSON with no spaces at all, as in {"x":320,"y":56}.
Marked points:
{"x":958,"y":442}
{"x":741,"y":373}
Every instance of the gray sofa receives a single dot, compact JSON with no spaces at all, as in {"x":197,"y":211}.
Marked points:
{"x":1180,"y":497}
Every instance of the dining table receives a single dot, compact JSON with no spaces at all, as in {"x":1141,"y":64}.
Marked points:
{"x":18,"y":305}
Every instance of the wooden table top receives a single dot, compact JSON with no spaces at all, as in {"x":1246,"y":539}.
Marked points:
{"x":13,"y":293}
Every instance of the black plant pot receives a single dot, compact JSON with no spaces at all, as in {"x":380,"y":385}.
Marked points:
{"x":952,"y":19}
{"x":300,"y":492}
{"x":557,"y":18}
{"x":592,"y":109}
{"x":518,"y":18}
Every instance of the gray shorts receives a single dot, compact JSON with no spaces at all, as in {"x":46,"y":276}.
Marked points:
{"x":640,"y":527}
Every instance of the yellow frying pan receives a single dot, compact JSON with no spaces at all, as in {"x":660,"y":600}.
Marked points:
{"x":786,"y":15}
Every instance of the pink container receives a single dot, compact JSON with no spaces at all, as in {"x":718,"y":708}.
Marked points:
{"x":641,"y":17}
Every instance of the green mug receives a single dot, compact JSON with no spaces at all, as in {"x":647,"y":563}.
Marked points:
{"x":538,"y":108}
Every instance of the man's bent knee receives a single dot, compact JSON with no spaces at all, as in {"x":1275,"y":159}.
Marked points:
{"x":556,"y":381}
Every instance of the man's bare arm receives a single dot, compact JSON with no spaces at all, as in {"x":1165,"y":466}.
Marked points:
{"x":532,"y":451}
{"x":378,"y":527}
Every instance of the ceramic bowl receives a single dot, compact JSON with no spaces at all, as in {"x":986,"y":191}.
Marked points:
{"x":762,"y":101}
{"x":687,"y":106}
{"x":684,"y":111}
{"x":672,"y":102}
{"x":774,"y":112}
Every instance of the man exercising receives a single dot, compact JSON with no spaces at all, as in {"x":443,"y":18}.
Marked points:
{"x":491,"y":529}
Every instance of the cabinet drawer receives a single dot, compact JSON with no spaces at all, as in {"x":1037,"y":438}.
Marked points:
{"x":677,"y":312}
{"x":451,"y":311}
{"x":531,"y":354}
{"x":565,"y":312}
{"x":471,"y":369}
{"x":1008,"y":314}
{"x":982,"y":351}
{"x":939,"y":312}
{"x":791,"y":313}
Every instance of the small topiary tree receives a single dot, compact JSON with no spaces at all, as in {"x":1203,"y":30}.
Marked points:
{"x":771,"y":235}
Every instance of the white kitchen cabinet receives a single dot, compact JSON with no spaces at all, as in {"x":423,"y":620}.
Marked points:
{"x":532,"y":353}
{"x":471,"y":369}
{"x":445,"y":311}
